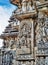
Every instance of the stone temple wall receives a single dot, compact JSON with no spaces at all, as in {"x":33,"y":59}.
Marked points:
{"x":26,"y":36}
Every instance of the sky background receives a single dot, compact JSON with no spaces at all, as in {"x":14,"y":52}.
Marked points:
{"x":6,"y":9}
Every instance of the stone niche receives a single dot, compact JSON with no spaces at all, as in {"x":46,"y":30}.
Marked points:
{"x":24,"y":44}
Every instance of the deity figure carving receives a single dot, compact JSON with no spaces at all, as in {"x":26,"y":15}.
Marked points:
{"x":25,"y":38}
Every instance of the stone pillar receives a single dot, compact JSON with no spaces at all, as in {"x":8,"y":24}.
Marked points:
{"x":24,"y":7}
{"x":32,"y":41}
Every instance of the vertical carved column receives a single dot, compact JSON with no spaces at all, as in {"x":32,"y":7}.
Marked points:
{"x":24,"y":6}
{"x":32,"y":44}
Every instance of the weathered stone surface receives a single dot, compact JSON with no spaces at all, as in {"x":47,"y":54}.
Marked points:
{"x":26,"y":37}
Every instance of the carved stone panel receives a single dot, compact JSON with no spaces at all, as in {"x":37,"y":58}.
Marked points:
{"x":24,"y":42}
